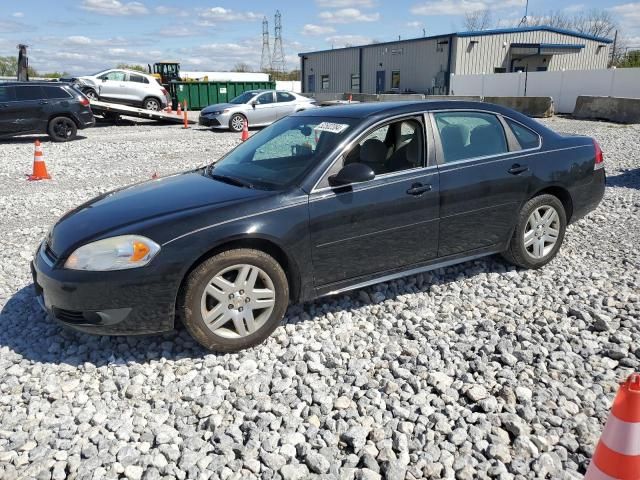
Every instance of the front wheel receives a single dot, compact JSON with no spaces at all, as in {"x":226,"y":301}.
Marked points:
{"x":91,"y":94}
{"x":236,"y":122}
{"x":542,"y":223}
{"x":234,"y":300}
{"x":62,"y":129}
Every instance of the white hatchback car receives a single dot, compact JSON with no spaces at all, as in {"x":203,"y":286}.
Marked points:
{"x":125,"y":86}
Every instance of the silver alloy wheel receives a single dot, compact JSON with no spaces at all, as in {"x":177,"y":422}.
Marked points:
{"x":238,"y":301}
{"x":542,"y":231}
{"x":237,"y":122}
{"x":152,"y":104}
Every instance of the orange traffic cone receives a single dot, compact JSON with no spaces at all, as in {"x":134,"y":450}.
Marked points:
{"x":179,"y":111}
{"x":185,"y":116}
{"x":617,"y":455}
{"x":39,"y":167}
{"x":168,"y":109}
{"x":350,"y":98}
{"x":245,"y":131}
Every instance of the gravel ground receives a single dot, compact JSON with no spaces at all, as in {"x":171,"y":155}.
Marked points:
{"x":474,"y":371}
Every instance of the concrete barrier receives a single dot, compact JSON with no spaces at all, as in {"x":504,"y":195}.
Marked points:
{"x":530,"y":106}
{"x":615,"y":109}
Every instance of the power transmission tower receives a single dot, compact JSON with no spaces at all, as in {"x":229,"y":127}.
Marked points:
{"x":265,"y":62}
{"x":523,"y":22}
{"x":277,"y":60}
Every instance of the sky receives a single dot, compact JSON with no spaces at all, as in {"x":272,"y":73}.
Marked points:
{"x":85,"y":36}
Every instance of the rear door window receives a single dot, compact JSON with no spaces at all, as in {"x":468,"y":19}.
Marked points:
{"x":7,"y":94}
{"x":137,"y":78}
{"x":265,"y":98}
{"x":466,"y":135}
{"x":55,"y":92}
{"x":30,"y":92}
{"x":285,"y":97}
{"x":526,"y":137}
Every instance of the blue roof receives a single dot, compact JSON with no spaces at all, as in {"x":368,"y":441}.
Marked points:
{"x":478,"y":33}
{"x":543,"y":28}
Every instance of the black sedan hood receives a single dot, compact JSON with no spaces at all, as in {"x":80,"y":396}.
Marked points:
{"x":143,"y":202}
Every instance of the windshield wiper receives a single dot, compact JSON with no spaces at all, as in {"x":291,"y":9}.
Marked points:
{"x":232,"y":180}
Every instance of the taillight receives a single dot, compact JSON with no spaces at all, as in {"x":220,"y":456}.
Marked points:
{"x":164,"y":90}
{"x":599,"y":157}
{"x":84,"y":101}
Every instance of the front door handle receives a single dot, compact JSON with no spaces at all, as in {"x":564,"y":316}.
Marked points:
{"x":418,"y":189}
{"x":43,"y":102}
{"x":517,"y":169}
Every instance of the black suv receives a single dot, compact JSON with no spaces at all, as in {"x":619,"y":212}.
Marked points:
{"x":43,"y":107}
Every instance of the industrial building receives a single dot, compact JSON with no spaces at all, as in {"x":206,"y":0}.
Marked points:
{"x":424,"y":65}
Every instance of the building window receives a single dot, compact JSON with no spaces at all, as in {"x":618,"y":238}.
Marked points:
{"x":355,"y":82}
{"x":500,"y":70}
{"x":324,"y":79}
{"x":395,"y":79}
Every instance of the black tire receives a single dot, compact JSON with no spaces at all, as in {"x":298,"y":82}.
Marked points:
{"x":238,"y":125}
{"x":62,"y":129}
{"x":152,"y":103}
{"x":517,"y":253}
{"x":189,"y":305}
{"x":91,"y":94}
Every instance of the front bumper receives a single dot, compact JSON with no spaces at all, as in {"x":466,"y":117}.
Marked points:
{"x":215,"y":121}
{"x":124,"y":302}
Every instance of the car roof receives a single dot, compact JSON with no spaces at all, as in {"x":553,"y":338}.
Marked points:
{"x":374,"y":111}
{"x":371,"y":109}
{"x":36,"y":83}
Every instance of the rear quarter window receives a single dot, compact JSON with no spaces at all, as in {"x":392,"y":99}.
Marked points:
{"x":138,"y":79}
{"x":56,"y":92}
{"x":526,"y":137}
{"x":30,"y":92}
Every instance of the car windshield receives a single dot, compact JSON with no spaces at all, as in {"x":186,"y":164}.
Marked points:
{"x":281,"y":154}
{"x":98,"y":73}
{"x":244,"y":98}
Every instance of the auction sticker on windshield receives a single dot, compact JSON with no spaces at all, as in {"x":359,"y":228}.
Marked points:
{"x":331,"y":127}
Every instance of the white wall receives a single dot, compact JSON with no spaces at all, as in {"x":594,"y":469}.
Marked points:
{"x":289,"y":85}
{"x":563,"y":87}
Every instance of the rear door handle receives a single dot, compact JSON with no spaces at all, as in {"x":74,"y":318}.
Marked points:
{"x":418,"y":189}
{"x":517,"y":169}
{"x":43,"y":102}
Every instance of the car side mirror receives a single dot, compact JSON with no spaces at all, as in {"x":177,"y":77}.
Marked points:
{"x":254,"y":103}
{"x":352,"y":173}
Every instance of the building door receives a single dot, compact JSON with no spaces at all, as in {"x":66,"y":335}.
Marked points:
{"x":380,"y":75}
{"x":311,"y":83}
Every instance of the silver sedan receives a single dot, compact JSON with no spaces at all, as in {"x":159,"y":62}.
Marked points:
{"x":258,"y":107}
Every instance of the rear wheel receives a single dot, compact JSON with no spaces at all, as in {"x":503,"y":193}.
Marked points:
{"x":539,"y":234}
{"x":62,"y":129}
{"x":234,"y":300}
{"x":236,"y":122}
{"x":151,"y":104}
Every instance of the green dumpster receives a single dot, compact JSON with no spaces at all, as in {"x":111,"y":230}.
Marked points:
{"x":202,"y":94}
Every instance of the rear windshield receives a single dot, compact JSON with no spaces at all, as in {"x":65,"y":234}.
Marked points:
{"x":281,"y":154}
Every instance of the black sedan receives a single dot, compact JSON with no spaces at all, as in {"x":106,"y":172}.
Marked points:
{"x":320,"y":202}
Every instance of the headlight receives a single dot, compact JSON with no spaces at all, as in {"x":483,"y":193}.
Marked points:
{"x":116,"y":253}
